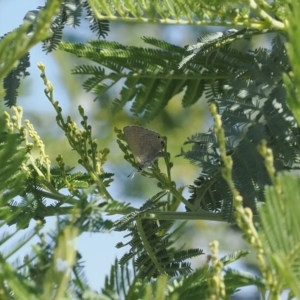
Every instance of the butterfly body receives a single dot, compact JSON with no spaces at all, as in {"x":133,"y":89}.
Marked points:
{"x":145,"y":144}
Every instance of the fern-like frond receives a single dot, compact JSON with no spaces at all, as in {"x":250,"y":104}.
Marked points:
{"x":45,"y":24}
{"x":154,"y":76}
{"x":13,"y":283}
{"x":72,"y":9}
{"x":252,"y":104}
{"x":69,"y":13}
{"x":100,"y":27}
{"x":118,"y":282}
{"x":17,"y":43}
{"x":194,"y":286}
{"x":11,"y":82}
{"x":189,"y":12}
{"x":52,"y":43}
{"x":292,"y":84}
{"x":17,"y":245}
{"x":151,"y":76}
{"x":232,"y":257}
{"x":207,"y":44}
{"x":280,"y":232}
{"x":151,"y":247}
{"x":12,"y":155}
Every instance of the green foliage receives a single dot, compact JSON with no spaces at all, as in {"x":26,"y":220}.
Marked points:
{"x":195,"y":285}
{"x":292,"y":80}
{"x":12,"y":81}
{"x":147,"y":73}
{"x":152,"y":242}
{"x":38,"y":277}
{"x":12,"y":156}
{"x":280,"y":234}
{"x":248,"y":89}
{"x":36,"y":28}
{"x":154,"y":76}
{"x":253,"y":96}
{"x":101,"y":28}
{"x":15,"y":46}
{"x":70,"y":13}
{"x":216,"y":13}
{"x":253,"y":108}
{"x":189,"y":287}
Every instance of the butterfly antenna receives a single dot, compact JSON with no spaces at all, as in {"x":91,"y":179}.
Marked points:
{"x":131,"y":175}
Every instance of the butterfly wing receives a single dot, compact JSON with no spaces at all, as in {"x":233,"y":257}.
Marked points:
{"x":132,"y":136}
{"x":152,"y":143}
{"x":144,"y":144}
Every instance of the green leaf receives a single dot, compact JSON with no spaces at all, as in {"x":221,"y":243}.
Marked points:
{"x":19,"y":42}
{"x":280,"y":234}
